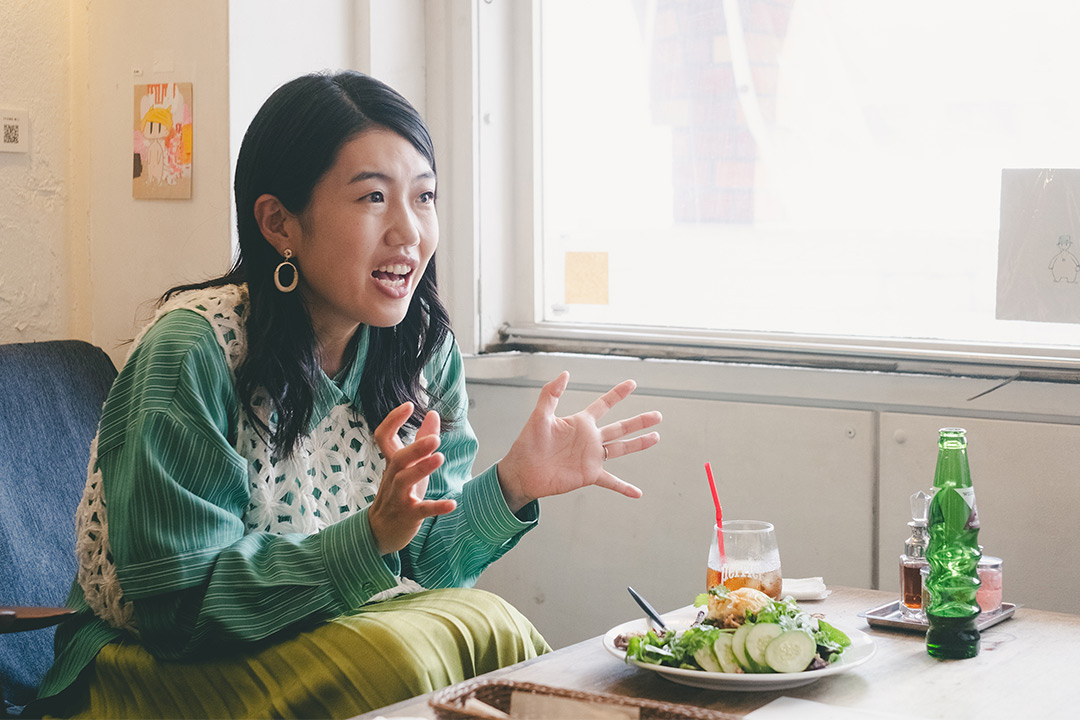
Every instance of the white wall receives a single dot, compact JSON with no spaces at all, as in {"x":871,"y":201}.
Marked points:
{"x":139,"y":248}
{"x":35,"y":61}
{"x":319,"y":36}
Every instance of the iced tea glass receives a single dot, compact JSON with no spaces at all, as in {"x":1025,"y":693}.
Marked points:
{"x":750,"y":558}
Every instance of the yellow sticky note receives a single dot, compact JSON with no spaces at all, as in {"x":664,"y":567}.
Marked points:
{"x":587,"y":278}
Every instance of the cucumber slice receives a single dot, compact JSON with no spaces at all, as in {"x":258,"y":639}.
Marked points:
{"x":725,"y":655}
{"x":758,"y":639}
{"x":738,"y":647}
{"x":707,"y":659}
{"x":791,"y":652}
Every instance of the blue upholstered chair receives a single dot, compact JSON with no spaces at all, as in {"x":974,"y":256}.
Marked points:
{"x":51,"y":394}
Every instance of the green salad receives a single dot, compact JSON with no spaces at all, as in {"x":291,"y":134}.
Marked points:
{"x":779,"y":637}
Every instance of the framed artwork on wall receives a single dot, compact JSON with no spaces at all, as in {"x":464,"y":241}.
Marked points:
{"x":164,"y":124}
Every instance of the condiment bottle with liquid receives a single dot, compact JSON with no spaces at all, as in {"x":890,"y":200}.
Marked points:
{"x":914,"y":559}
{"x":953,"y":553}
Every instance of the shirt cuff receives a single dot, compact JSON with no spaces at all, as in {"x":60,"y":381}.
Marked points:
{"x":488,"y":514}
{"x":352,"y":559}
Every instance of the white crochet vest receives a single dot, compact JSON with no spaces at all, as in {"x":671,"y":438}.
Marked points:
{"x":335,"y":471}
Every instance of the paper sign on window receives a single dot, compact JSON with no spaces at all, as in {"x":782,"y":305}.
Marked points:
{"x":587,"y":278}
{"x":1039,"y":246}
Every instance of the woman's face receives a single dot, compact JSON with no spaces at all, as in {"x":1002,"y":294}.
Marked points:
{"x":367,"y":234}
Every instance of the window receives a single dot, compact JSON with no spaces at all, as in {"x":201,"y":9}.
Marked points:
{"x":832,"y":175}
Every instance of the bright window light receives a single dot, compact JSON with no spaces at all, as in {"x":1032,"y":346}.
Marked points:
{"x":814,"y":167}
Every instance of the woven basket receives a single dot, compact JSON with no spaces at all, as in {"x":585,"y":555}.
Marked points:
{"x":448,"y":703}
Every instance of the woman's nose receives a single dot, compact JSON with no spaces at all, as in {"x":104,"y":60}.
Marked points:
{"x":404,"y":227}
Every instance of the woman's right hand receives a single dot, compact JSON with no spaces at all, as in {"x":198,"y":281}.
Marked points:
{"x":399,"y":507}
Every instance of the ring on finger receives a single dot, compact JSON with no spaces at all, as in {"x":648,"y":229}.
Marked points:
{"x":605,"y":452}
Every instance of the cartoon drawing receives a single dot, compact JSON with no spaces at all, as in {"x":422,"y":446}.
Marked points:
{"x":157,"y":126}
{"x":163,"y":134}
{"x":1064,"y":266}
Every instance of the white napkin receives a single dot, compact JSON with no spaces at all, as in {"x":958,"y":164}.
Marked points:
{"x":785,"y":708}
{"x":812,"y":588}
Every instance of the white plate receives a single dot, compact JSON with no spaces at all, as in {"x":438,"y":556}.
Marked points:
{"x":862,"y":648}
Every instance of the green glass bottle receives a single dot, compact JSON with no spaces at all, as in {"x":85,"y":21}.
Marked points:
{"x":953,"y":553}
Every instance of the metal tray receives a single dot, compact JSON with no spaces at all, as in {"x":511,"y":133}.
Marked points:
{"x":888,"y":616}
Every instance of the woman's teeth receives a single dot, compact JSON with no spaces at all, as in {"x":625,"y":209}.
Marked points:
{"x":392,"y":275}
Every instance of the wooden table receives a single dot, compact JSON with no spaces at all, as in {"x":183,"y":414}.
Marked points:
{"x":1029,"y":667}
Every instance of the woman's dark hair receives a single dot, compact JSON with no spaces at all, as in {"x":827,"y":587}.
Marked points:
{"x":292,"y":142}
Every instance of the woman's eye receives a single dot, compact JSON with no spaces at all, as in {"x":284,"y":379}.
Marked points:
{"x":376,"y":196}
{"x":427,"y":197}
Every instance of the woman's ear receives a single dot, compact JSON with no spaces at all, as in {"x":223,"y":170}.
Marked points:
{"x":278,"y":225}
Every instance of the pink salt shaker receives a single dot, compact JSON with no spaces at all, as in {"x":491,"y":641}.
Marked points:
{"x":990,"y":577}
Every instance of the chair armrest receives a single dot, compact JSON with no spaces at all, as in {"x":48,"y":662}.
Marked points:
{"x":17,"y":619}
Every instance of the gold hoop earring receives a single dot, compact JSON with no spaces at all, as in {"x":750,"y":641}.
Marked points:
{"x":295,"y":273}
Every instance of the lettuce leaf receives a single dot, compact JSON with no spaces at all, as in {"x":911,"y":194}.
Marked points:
{"x":671,"y":650}
{"x":833,"y":640}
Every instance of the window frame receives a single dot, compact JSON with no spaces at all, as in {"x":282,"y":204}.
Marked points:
{"x":488,"y":134}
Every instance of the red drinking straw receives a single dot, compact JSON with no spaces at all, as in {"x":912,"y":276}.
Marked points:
{"x":719,"y":512}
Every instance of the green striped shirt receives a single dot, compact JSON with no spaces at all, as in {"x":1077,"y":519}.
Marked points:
{"x":176,"y":491}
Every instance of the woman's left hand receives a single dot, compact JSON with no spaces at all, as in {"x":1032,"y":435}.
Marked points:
{"x":400,"y":506}
{"x":555,"y":455}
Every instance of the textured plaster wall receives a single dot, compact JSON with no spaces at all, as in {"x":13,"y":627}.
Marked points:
{"x":79,"y":257}
{"x":34,"y":265}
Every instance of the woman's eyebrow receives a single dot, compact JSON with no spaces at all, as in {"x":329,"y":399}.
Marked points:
{"x":369,"y":175}
{"x":375,"y":175}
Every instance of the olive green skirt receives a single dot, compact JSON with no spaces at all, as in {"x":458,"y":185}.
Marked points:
{"x":386,"y":652}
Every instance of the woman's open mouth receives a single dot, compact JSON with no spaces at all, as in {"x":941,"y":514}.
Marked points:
{"x":393,"y":277}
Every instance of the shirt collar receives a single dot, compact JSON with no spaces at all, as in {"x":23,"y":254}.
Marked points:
{"x":343,"y":388}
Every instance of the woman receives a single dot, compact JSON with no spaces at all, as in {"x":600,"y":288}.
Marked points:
{"x":278,"y":518}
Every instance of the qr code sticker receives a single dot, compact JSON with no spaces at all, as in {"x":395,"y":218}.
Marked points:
{"x":11,"y":134}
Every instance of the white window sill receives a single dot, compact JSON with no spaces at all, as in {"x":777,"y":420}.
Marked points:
{"x":965,"y":395}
